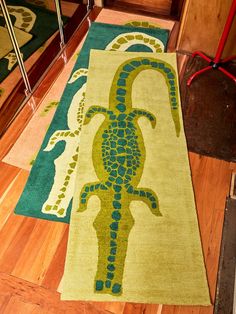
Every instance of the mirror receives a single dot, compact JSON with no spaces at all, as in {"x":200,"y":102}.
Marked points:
{"x":8,"y":59}
{"x":35,"y":24}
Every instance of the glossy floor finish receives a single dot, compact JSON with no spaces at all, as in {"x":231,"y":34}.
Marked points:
{"x":32,"y":253}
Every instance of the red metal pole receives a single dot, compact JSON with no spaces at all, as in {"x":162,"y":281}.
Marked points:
{"x":217,"y":63}
{"x":225,"y":32}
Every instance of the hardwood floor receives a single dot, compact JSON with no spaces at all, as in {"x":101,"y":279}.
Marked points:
{"x":33,"y":251}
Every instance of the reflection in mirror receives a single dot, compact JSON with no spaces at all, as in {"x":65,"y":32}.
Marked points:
{"x":34,"y":27}
{"x":8,"y":58}
{"x":68,"y":8}
{"x":18,"y":38}
{"x":35,"y":24}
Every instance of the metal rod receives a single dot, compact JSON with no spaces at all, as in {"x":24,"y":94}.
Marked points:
{"x":226,"y":31}
{"x":15,"y":45}
{"x":60,"y":22}
{"x":90,"y":4}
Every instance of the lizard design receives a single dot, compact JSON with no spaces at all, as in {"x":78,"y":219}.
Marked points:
{"x":118,"y":158}
{"x":24,"y":17}
{"x":62,"y":190}
{"x":24,"y":20}
{"x":57,"y":202}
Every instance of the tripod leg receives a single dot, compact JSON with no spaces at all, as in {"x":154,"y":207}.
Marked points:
{"x":199,"y":53}
{"x":198,"y":73}
{"x":228,"y":59}
{"x":228,"y":74}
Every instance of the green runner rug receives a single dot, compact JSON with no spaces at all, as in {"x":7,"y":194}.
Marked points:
{"x":50,"y":187}
{"x":134,"y":232}
{"x":40,"y":23}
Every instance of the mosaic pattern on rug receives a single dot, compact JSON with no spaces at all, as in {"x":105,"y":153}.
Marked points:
{"x":143,"y":24}
{"x":125,"y":209}
{"x":118,"y":158}
{"x":61,"y":144}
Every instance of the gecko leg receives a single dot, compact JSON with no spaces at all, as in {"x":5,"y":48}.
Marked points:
{"x":92,"y":111}
{"x":147,"y":196}
{"x":137,"y":113}
{"x":87,"y":191}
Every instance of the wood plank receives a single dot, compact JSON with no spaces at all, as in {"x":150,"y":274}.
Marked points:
{"x":208,"y":18}
{"x":109,"y":307}
{"x":121,"y":18}
{"x":3,"y":302}
{"x":161,"y":6}
{"x":182,"y":60}
{"x":153,"y":309}
{"x":10,"y":199}
{"x":55,"y":269}
{"x":11,"y":255}
{"x":18,"y":125}
{"x":171,"y":46}
{"x":39,"y":251}
{"x":48,"y":300}
{"x":9,"y":232}
{"x":136,"y":308}
{"x":7,"y":174}
{"x":17,"y":305}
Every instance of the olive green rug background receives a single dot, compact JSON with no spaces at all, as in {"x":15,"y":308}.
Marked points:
{"x":164,"y":262}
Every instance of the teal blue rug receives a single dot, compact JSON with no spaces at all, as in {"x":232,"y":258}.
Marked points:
{"x":50,"y":187}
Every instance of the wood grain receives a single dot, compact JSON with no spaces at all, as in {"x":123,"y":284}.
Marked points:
{"x":7,"y":174}
{"x":156,"y":6}
{"x":208,"y":18}
{"x":21,"y":291}
{"x":55,"y":269}
{"x":10,"y":198}
{"x":40,"y":249}
{"x":17,"y":244}
{"x":162,"y":5}
{"x":17,"y":305}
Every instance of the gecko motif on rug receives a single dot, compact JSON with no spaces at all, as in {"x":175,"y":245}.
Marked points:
{"x":62,"y":189}
{"x":118,"y":157}
{"x":24,"y":20}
